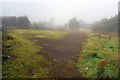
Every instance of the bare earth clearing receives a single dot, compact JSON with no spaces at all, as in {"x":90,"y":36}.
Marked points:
{"x":63,"y":53}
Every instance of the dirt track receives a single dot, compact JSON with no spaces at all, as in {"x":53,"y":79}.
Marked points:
{"x":63,"y":54}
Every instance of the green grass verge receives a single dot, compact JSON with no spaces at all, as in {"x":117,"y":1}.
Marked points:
{"x":99,"y":56}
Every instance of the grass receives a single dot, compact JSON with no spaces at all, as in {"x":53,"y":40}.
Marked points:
{"x":21,"y":59}
{"x":99,"y":56}
{"x":44,"y":33}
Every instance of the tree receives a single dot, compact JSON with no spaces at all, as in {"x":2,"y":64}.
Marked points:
{"x":15,"y":22}
{"x":74,"y":24}
{"x":106,"y":25}
{"x":41,"y":26}
{"x":23,"y":22}
{"x":9,"y":21}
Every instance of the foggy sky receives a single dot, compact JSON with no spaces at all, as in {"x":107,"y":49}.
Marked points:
{"x":62,"y":10}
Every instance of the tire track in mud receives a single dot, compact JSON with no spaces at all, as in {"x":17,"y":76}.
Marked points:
{"x":63,"y":53}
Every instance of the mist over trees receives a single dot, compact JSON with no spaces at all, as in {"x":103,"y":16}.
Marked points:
{"x":106,"y":25}
{"x":74,"y":24}
{"x":84,"y":25}
{"x":42,"y":25}
{"x":9,"y":21}
{"x":21,"y":22}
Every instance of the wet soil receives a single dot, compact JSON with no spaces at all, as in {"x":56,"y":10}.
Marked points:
{"x":63,"y":53}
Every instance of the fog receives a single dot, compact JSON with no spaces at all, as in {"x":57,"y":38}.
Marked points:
{"x":61,"y":10}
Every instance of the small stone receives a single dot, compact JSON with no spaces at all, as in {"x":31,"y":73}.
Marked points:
{"x":9,"y":56}
{"x":86,"y":68}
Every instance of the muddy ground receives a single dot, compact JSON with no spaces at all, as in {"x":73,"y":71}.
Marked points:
{"x":63,"y":53}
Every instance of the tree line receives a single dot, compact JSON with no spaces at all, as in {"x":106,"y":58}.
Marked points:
{"x":106,"y":25}
{"x":21,"y":22}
